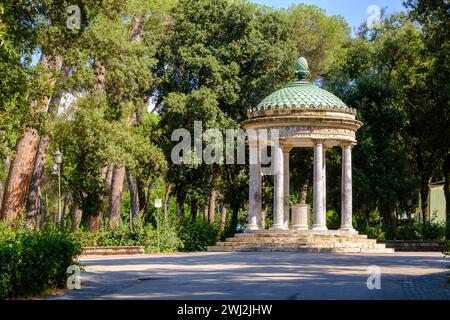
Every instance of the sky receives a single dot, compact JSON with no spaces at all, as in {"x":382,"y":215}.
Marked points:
{"x":354,"y":11}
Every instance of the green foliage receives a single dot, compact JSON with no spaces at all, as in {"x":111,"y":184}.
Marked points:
{"x":166,"y":238}
{"x":407,"y":231}
{"x":32,"y":262}
{"x":433,"y":231}
{"x":170,"y":236}
{"x":333,"y":220}
{"x":84,"y":137}
{"x":420,"y":231}
{"x":318,"y":37}
{"x":373,"y":232}
{"x":197,"y":234}
{"x":163,"y":239}
{"x":383,"y":176}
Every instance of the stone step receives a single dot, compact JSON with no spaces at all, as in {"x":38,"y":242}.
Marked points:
{"x":299,"y":239}
{"x":298,"y":249}
{"x":301,"y":244}
{"x":299,"y":235}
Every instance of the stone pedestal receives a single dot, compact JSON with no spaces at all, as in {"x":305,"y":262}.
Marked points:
{"x":300,"y":217}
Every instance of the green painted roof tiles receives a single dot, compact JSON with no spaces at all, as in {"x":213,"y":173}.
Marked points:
{"x":301,"y":95}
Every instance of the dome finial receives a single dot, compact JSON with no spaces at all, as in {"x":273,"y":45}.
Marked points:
{"x":301,"y":68}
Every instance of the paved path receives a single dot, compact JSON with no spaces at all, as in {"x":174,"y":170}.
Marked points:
{"x":260,"y":275}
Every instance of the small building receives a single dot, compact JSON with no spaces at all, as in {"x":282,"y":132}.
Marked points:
{"x":436,"y":203}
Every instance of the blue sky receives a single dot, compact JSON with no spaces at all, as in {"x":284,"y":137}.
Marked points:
{"x":354,"y":11}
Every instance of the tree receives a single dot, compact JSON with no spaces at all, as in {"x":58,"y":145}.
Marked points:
{"x":114,"y":62}
{"x":427,"y":96}
{"x":382,"y":174}
{"x":221,"y":58}
{"x":42,"y":27}
{"x":318,"y":37}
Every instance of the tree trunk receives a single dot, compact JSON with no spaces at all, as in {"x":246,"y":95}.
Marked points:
{"x":44,"y":210}
{"x":32,"y":204}
{"x":76,"y":216}
{"x":63,"y":213}
{"x":205,"y":213}
{"x":134,"y":202}
{"x":1,"y":193}
{"x":115,"y":199}
{"x":194,"y":209}
{"x":212,"y":206}
{"x":21,"y":169}
{"x":94,"y":222}
{"x":389,"y":219}
{"x":100,"y":75}
{"x":223,"y":217}
{"x":141,"y":193}
{"x":180,"y":209}
{"x":424,"y":190}
{"x":234,"y":219}
{"x":166,"y":200}
{"x":19,"y":177}
{"x":107,"y":192}
{"x":41,"y":156}
{"x":147,"y":203}
{"x":6,"y":165}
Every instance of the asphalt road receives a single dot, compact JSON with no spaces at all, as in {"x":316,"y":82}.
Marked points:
{"x":259,"y":275}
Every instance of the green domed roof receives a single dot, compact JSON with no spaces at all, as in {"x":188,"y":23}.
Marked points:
{"x":301,"y":95}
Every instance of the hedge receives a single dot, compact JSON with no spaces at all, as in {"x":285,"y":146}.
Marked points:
{"x":32,"y":262}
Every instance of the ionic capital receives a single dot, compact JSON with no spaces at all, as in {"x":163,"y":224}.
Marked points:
{"x":287,"y":147}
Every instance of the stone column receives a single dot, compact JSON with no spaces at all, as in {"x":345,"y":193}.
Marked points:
{"x":324,"y":170}
{"x":278,"y":189}
{"x":254,"y":193}
{"x":286,"y":150}
{"x":346,"y":189}
{"x":318,"y":191}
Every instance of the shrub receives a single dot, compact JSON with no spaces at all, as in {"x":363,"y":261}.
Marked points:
{"x":420,"y":231}
{"x":165,"y":239}
{"x":333,"y":220}
{"x":197,"y":235}
{"x":374,"y":232}
{"x":32,"y":262}
{"x":408,"y":231}
{"x":433,"y":231}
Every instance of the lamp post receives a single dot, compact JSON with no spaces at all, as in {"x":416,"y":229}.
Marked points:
{"x":58,"y":161}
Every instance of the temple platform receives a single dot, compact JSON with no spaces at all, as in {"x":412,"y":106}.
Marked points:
{"x":330,"y":241}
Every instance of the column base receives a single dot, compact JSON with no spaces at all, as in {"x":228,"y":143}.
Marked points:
{"x":300,"y":227}
{"x":319,"y":228}
{"x":252,"y":227}
{"x":276,"y":227}
{"x":347,"y":229}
